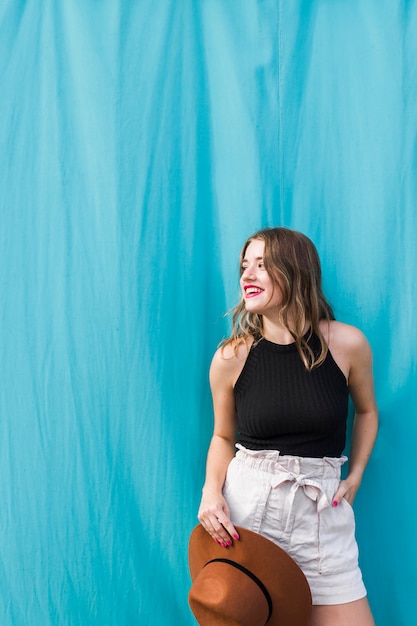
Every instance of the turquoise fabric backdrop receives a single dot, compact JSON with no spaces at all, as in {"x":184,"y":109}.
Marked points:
{"x":141,"y":143}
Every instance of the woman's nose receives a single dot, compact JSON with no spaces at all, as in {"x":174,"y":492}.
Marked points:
{"x":248,"y":273}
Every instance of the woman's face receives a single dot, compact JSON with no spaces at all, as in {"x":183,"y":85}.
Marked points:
{"x":260,"y":292}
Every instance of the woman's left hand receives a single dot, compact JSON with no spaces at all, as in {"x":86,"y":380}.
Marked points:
{"x":347,"y":491}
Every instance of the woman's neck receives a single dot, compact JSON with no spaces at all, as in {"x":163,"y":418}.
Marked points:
{"x":277,"y":333}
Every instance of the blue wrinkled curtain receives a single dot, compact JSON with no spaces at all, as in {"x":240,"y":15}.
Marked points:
{"x":141,"y":142}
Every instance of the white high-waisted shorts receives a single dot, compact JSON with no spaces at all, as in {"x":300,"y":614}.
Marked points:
{"x":288,"y":500}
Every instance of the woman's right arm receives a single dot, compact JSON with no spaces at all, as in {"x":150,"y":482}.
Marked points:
{"x":214,"y":512}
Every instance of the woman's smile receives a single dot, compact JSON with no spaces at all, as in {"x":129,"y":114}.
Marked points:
{"x":252,"y":291}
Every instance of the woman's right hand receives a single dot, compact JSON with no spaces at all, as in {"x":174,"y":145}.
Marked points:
{"x":214,"y":516}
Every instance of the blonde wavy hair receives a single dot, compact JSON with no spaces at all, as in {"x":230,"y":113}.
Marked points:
{"x":292,"y":261}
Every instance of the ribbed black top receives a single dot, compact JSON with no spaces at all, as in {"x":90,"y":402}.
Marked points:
{"x":280,"y":405}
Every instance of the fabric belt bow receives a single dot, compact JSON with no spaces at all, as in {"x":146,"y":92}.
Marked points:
{"x":311,"y":488}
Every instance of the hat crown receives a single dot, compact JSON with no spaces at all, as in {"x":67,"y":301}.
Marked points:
{"x":227,"y":596}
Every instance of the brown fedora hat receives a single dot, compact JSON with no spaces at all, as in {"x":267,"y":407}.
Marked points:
{"x":252,"y":583}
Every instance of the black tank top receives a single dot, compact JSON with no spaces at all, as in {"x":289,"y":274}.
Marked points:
{"x":280,"y":405}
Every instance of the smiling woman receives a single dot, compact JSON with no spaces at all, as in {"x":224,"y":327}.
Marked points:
{"x":280,"y":387}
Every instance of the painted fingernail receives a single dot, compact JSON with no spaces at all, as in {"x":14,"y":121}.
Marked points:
{"x":335,"y":503}
{"x":229,"y":543}
{"x":224,"y":545}
{"x":236,"y":536}
{"x":217,"y":541}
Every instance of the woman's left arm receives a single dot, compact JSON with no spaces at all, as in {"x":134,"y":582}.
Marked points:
{"x":365,"y":424}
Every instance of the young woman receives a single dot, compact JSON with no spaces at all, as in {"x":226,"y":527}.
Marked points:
{"x":280,"y":387}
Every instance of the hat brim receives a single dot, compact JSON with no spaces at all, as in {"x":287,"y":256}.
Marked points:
{"x":284,"y":580}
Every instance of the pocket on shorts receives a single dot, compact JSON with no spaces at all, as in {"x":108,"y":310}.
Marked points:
{"x":229,"y":477}
{"x":337,"y":543}
{"x":246,"y":492}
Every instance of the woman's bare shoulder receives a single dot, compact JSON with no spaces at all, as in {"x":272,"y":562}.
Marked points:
{"x":347,"y":344}
{"x":341,"y":335}
{"x":229,"y":359}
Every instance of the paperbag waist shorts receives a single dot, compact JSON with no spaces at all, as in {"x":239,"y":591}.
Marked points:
{"x":288,"y":500}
